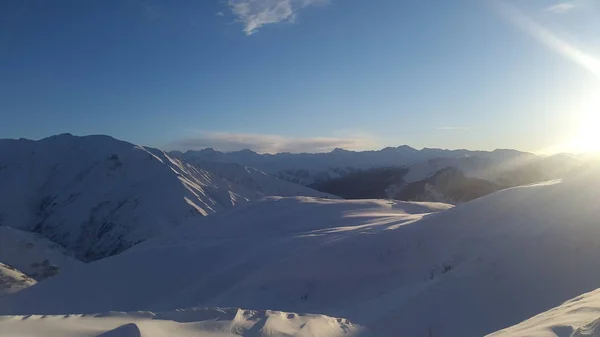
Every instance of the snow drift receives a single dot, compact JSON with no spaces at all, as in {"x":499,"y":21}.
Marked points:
{"x":202,"y":322}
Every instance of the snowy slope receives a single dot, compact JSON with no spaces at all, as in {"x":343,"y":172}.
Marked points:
{"x":13,"y":280}
{"x":97,"y":196}
{"x":579,"y":317}
{"x":465,"y":271}
{"x":200,"y":263}
{"x":259,"y":181}
{"x":33,"y":254}
{"x":198,"y":322}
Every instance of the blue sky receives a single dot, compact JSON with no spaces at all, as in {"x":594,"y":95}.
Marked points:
{"x":301,"y":75}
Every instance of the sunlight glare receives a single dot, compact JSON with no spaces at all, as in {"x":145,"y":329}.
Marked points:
{"x":588,"y":136}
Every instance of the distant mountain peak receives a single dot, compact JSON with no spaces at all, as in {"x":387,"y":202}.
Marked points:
{"x":406,"y":147}
{"x":247,"y":151}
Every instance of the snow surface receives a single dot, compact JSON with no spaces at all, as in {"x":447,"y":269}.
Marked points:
{"x":392,"y":267}
{"x":579,"y":317}
{"x":205,"y":265}
{"x":13,"y":280}
{"x":33,"y":254}
{"x":97,"y":196}
{"x":197,"y":322}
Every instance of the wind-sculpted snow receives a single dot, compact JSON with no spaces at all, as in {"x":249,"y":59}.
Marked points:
{"x":196,"y":322}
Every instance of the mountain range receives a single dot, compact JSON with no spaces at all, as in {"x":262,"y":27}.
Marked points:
{"x":309,"y":168}
{"x":401,"y":173}
{"x":100,"y":237}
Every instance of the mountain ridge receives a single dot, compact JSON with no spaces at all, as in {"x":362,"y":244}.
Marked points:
{"x":97,"y":196}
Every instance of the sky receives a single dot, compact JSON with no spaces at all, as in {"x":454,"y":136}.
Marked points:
{"x":304,"y":75}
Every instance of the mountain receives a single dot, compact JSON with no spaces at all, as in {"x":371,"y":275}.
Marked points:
{"x":34,"y":255}
{"x":310,"y":168}
{"x":448,"y":185}
{"x":451,"y":180}
{"x":256,"y":180}
{"x":97,"y":196}
{"x":398,"y":268}
{"x":364,"y":184}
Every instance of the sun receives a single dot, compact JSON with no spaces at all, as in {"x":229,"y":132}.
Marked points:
{"x":588,"y":136}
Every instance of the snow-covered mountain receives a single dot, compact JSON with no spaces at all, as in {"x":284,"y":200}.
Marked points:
{"x":448,"y":185}
{"x":451,"y":180}
{"x":97,"y":196}
{"x":310,"y":168}
{"x":257,"y":180}
{"x":390,"y":266}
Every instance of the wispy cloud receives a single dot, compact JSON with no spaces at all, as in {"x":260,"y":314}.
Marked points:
{"x":561,"y":7}
{"x":219,"y":14}
{"x":266,"y":143}
{"x":257,"y":13}
{"x":449,"y":128}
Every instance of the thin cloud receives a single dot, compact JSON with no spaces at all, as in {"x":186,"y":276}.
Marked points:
{"x":219,"y":14}
{"x":256,"y":13}
{"x":265,"y":143}
{"x":560,"y":8}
